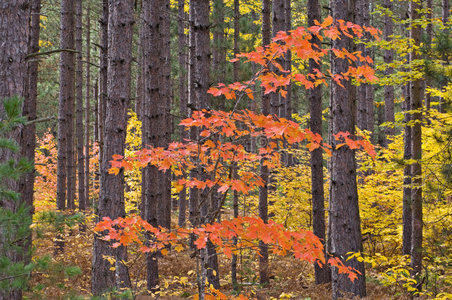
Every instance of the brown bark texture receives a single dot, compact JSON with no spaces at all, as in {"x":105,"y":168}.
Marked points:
{"x":388,"y":30}
{"x":87,"y":105}
{"x":322,"y":274}
{"x":344,"y":219}
{"x":111,"y":198}
{"x":416,"y":169}
{"x":79,"y":105}
{"x":15,"y":82}
{"x":264,"y":172}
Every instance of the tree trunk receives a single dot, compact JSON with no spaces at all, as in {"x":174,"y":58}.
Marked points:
{"x":388,"y":89}
{"x":344,"y":209}
{"x":362,"y":108}
{"x":103,"y":74}
{"x":164,"y":205}
{"x":111,"y":198}
{"x":28,"y":134}
{"x":201,"y":32}
{"x":87,"y":103}
{"x":79,"y":101}
{"x":236,"y":195}
{"x":183,"y":101}
{"x":416,"y":170}
{"x":446,"y":19}
{"x":65,"y":107}
{"x":15,"y":82}
{"x":278,"y":24}
{"x":152,"y":115}
{"x":322,"y":274}
{"x":264,"y":173}
{"x":407,"y":212}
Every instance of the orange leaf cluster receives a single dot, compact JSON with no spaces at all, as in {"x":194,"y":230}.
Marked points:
{"x":298,"y":41}
{"x":216,"y":157}
{"x":303,"y":244}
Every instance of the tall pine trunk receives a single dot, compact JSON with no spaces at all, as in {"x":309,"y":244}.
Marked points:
{"x":344,"y":216}
{"x":79,"y":105}
{"x":388,"y":89}
{"x":14,"y":82}
{"x":322,"y":274}
{"x":264,"y":172}
{"x":183,"y":93}
{"x":87,"y":103}
{"x":416,"y":170}
{"x":111,"y":198}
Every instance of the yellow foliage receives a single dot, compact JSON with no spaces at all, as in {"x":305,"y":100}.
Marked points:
{"x":133,"y":177}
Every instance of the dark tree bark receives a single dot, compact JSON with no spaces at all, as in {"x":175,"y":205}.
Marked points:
{"x":103,"y":74}
{"x":111,"y":198}
{"x":322,"y":274}
{"x":219,"y":46}
{"x":445,"y":19}
{"x":287,"y":102}
{"x":152,"y":115}
{"x":164,"y":205}
{"x":361,"y":18}
{"x":389,"y":89}
{"x":416,"y":170}
{"x":407,"y":212}
{"x":278,"y":24}
{"x":96,"y":111}
{"x":201,"y":77}
{"x":66,"y":97}
{"x":15,"y":81}
{"x":429,"y":35}
{"x":65,"y":108}
{"x":236,"y":195}
{"x":193,"y":197}
{"x":87,"y":104}
{"x":264,"y":173}
{"x":79,"y":104}
{"x":344,"y":216}
{"x":183,"y":93}
{"x":28,"y":134}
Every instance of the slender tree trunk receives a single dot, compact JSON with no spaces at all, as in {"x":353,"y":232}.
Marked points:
{"x":236,"y":195}
{"x":65,"y":107}
{"x":183,"y":101}
{"x":111,"y":200}
{"x":201,"y":32}
{"x":369,"y":87}
{"x":344,"y":209}
{"x":96,"y":111}
{"x":407,"y":212}
{"x":287,"y":101}
{"x":362,"y":108}
{"x":87,"y":103}
{"x":164,"y":205}
{"x":416,"y":192}
{"x":278,"y":24}
{"x":193,"y":197}
{"x":446,"y":19}
{"x":429,"y":35}
{"x":264,"y":173}
{"x":322,"y":274}
{"x":79,"y":101}
{"x":219,"y":47}
{"x":388,"y":89}
{"x":103,"y":74}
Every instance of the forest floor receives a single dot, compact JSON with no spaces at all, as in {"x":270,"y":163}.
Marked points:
{"x":290,"y":278}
